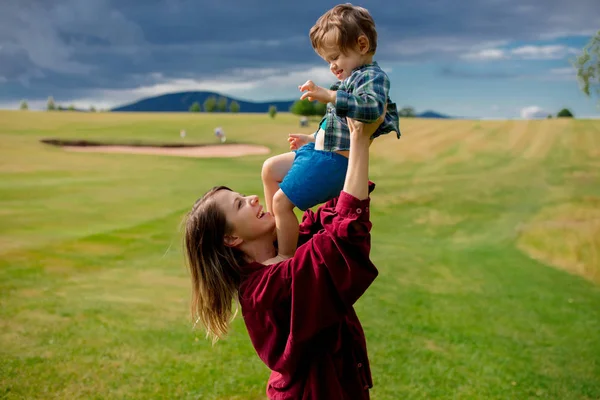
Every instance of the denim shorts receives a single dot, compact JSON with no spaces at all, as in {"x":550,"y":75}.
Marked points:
{"x":315,"y":177}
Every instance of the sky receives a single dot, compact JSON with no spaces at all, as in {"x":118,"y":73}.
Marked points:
{"x":467,"y":58}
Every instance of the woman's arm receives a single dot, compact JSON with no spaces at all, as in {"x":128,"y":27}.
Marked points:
{"x":356,"y":183}
{"x":333,"y":269}
{"x":357,"y":176}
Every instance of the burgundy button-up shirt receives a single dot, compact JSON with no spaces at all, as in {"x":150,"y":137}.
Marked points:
{"x":299,"y":312}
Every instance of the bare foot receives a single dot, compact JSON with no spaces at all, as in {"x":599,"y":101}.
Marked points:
{"x":276,"y":259}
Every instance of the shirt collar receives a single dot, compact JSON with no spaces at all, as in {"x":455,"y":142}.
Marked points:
{"x":373,"y":64}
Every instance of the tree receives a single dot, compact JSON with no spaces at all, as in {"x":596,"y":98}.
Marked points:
{"x":24,"y":105}
{"x":210,"y":104}
{"x":51,"y":106}
{"x":407,"y":112}
{"x":234,"y":106}
{"x":92,"y":109}
{"x":588,"y":67}
{"x":303,"y":107}
{"x":272,"y":111}
{"x":564,"y":113}
{"x":195,"y":107}
{"x":320,"y":109}
{"x":549,"y":116}
{"x":222,"y":104}
{"x":71,"y":107}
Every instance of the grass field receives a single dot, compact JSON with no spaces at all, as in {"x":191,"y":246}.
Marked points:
{"x":486,"y":235}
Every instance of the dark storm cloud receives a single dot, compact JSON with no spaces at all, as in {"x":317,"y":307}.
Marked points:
{"x":73,"y":47}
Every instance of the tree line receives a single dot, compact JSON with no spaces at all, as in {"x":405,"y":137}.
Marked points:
{"x":212,"y":104}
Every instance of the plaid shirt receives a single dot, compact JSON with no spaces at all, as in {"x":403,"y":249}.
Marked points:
{"x":362,"y":96}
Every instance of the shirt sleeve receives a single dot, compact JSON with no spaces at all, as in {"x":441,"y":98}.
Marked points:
{"x":311,"y":221}
{"x":330,"y":272}
{"x":367,"y":101}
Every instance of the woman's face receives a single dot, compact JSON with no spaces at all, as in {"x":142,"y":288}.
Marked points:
{"x":245,"y":215}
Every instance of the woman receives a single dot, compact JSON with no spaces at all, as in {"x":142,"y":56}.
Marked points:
{"x":299,"y":312}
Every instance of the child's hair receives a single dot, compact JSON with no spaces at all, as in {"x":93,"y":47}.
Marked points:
{"x":346,"y":23}
{"x":214,"y":267}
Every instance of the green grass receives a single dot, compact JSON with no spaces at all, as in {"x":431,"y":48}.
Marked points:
{"x":475,"y":299}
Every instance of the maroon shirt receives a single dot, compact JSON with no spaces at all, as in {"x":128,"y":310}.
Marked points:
{"x":299,"y":312}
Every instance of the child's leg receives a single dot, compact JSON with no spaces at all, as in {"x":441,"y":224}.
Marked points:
{"x":287,"y":225}
{"x":273,"y":171}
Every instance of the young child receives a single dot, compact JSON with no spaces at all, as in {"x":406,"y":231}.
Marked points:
{"x":314,"y":172}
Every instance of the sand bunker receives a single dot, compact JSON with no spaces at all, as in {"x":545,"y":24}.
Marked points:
{"x":226,"y":150}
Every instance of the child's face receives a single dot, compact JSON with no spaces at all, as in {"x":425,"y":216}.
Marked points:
{"x":342,"y":64}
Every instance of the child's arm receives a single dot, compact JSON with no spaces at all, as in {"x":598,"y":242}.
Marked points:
{"x":368,"y":100}
{"x":366,"y":103}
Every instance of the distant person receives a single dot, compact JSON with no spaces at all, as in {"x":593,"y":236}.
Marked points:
{"x":299,"y":313}
{"x":220,"y":134}
{"x":345,"y":37}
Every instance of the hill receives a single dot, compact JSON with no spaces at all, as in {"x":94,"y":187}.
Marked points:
{"x":182,"y":101}
{"x":432,"y":115}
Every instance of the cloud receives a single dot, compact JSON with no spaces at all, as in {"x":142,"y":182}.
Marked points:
{"x":467,"y":74}
{"x":533,"y":112}
{"x":486,"y":55}
{"x":248,"y":82}
{"x":81,"y":48}
{"x":529,"y":52}
{"x":549,"y":52}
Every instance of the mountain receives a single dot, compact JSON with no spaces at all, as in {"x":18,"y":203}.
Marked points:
{"x":182,"y":101}
{"x":432,"y":115}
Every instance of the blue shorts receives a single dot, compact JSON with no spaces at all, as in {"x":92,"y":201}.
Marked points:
{"x":315,"y":177}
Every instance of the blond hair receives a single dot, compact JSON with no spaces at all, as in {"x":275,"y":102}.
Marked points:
{"x":214,"y":267}
{"x":344,"y":24}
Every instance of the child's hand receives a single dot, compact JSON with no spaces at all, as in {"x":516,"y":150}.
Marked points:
{"x":298,"y":140}
{"x":315,"y":92}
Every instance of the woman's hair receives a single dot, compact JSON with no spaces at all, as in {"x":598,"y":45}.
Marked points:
{"x":214,"y":267}
{"x":346,"y":23}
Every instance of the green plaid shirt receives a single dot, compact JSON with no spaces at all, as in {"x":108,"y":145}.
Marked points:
{"x":362,"y":96}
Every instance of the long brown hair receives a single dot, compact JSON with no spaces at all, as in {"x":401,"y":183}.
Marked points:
{"x":214,"y":267}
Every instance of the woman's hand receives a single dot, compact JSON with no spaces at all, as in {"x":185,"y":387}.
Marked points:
{"x":357,"y":176}
{"x":362,"y":129}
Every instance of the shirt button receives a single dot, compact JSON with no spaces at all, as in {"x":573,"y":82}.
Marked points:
{"x":359,"y":365}
{"x":358,"y":211}
{"x":366,"y":208}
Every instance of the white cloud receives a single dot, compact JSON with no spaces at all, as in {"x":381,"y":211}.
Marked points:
{"x":533,"y":112}
{"x":253,"y":82}
{"x":486,"y":54}
{"x":547,"y":52}
{"x":438,"y":45}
